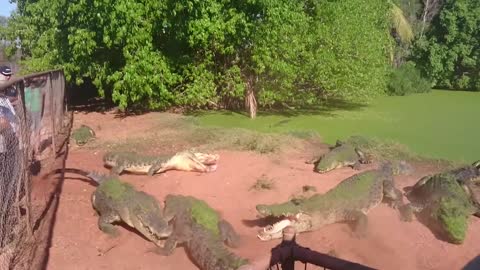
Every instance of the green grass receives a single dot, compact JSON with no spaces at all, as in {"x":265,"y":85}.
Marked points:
{"x":440,"y":124}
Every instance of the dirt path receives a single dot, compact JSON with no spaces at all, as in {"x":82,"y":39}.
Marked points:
{"x":390,"y":243}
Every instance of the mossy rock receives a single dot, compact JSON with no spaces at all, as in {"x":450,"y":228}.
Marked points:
{"x":83,"y":135}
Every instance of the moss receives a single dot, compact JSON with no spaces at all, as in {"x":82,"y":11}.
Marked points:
{"x":453,"y":214}
{"x":205,"y":216}
{"x":114,"y":188}
{"x":82,"y":134}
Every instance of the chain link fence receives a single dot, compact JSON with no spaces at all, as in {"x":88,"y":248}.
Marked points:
{"x":34,"y":129}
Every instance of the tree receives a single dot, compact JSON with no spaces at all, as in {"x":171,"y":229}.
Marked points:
{"x":210,"y":53}
{"x":430,"y":10}
{"x":450,"y":51}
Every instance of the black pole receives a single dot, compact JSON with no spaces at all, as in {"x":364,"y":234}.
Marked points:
{"x":287,"y":252}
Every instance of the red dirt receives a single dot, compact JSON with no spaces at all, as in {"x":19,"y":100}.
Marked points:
{"x":390,"y":244}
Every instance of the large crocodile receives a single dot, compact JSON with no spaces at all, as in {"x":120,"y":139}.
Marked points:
{"x":115,"y":200}
{"x":203,"y":232}
{"x":143,"y":164}
{"x":349,"y":201}
{"x":446,"y":200}
{"x":341,"y":155}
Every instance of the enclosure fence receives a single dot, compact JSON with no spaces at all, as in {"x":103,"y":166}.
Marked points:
{"x":34,"y":129}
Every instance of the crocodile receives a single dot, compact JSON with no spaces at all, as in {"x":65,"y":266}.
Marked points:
{"x":203,"y":232}
{"x":341,"y":155}
{"x":349,"y":201}
{"x":446,"y":200}
{"x":143,"y":164}
{"x":115,"y":200}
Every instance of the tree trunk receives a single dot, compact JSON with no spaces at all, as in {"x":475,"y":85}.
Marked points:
{"x":424,"y":17}
{"x":250,"y":101}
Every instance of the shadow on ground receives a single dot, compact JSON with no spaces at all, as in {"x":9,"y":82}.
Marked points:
{"x":327,"y":108}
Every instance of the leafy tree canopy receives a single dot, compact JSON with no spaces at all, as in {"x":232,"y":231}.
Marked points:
{"x":156,"y":54}
{"x":450,"y":51}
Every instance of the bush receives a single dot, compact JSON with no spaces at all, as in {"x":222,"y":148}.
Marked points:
{"x":407,"y":80}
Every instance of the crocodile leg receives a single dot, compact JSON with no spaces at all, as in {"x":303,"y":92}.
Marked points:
{"x":407,"y":211}
{"x":356,"y":166}
{"x":391,"y":194}
{"x":228,"y":234}
{"x":117,"y":169}
{"x":155,"y":168}
{"x":105,"y":224}
{"x":361,"y":222}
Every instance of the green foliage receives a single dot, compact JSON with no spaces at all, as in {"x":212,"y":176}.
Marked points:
{"x":308,"y":50}
{"x":401,"y":24}
{"x":157,"y":54}
{"x":449,"y":54}
{"x":407,"y":79}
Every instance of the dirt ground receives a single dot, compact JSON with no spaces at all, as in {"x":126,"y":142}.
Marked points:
{"x":390,"y":244}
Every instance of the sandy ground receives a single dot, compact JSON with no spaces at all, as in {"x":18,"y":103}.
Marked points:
{"x":390,"y":244}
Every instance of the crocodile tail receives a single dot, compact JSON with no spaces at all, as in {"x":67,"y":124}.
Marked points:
{"x":95,"y":176}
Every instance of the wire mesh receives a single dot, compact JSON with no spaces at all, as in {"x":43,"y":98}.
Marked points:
{"x":32,"y":123}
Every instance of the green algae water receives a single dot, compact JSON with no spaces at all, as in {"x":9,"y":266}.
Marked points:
{"x":439,"y":124}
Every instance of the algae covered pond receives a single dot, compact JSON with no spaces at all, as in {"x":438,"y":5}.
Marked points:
{"x":440,"y":124}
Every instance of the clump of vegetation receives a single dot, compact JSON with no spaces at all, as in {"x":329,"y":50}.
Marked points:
{"x":407,"y":80}
{"x":159,"y":54}
{"x":263,"y":183}
{"x":448,"y":52}
{"x":174,"y":133}
{"x":243,"y":140}
{"x":83,"y":135}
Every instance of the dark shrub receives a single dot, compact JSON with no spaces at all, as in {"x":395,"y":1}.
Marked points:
{"x":407,"y":79}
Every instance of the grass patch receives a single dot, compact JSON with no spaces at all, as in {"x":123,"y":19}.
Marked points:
{"x":263,"y":183}
{"x":172,"y":133}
